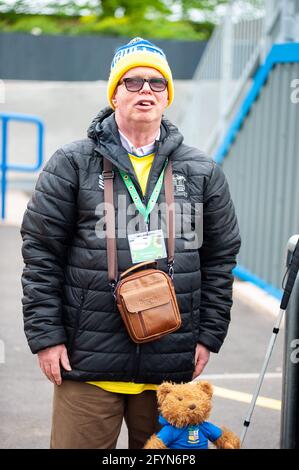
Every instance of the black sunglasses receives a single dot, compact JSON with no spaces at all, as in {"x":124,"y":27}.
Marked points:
{"x":136,"y":83}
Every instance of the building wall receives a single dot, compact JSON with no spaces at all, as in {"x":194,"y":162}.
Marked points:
{"x":81,"y":58}
{"x":262,"y":168}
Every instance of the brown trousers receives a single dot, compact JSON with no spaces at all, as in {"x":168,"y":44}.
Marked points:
{"x":88,"y":417}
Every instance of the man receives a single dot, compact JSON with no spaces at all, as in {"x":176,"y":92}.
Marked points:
{"x":100,"y":375}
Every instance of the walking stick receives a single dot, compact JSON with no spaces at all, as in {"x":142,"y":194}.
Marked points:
{"x":292,"y":270}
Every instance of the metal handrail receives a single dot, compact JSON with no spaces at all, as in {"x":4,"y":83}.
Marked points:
{"x":228,"y":63}
{"x":4,"y":165}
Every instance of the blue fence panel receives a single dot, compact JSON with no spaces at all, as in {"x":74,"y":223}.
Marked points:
{"x":262,"y":162}
{"x":5,"y":166}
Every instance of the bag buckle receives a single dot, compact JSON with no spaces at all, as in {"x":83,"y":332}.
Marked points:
{"x":108,"y":175}
{"x":171,"y":270}
{"x":113,"y":285}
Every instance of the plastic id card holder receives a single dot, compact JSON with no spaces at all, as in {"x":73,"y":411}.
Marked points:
{"x":147,"y":246}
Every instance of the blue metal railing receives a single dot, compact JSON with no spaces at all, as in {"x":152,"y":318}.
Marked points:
{"x":280,"y":53}
{"x":4,"y":165}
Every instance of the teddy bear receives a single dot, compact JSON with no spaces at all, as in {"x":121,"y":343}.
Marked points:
{"x":184,"y":408}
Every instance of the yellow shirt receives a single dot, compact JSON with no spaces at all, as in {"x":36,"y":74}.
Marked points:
{"x":142,"y":166}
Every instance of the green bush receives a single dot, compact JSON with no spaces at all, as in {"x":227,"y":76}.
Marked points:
{"x":158,"y":28}
{"x":128,"y":26}
{"x":46,"y":25}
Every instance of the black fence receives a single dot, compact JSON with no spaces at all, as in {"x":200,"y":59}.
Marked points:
{"x":81,"y":58}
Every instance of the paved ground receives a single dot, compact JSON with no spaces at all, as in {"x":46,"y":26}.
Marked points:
{"x":25,"y":399}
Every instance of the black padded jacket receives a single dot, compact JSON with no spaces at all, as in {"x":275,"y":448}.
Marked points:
{"x":66,"y":294}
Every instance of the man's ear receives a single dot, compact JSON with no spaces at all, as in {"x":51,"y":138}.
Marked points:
{"x":114,"y":100}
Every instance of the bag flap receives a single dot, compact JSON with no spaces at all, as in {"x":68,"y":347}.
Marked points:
{"x":137,"y":300}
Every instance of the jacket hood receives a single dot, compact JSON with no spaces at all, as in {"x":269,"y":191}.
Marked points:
{"x":98,"y":119}
{"x":103,"y":129}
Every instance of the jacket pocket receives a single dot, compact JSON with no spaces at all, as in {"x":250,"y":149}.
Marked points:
{"x":77,"y":321}
{"x":193,"y":322}
{"x":194,"y":335}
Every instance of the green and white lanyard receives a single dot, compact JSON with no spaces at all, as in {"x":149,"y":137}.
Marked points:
{"x":145,"y":211}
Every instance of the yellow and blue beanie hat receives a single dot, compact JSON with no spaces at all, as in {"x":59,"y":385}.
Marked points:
{"x":138,"y":53}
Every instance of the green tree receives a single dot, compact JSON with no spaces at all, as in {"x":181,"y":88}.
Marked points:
{"x":109,"y":8}
{"x":150,"y":19}
{"x":204,"y":6}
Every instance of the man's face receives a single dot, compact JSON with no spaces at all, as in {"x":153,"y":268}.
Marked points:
{"x":145,"y":106}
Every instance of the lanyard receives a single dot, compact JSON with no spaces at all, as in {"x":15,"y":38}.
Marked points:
{"x":145,"y":211}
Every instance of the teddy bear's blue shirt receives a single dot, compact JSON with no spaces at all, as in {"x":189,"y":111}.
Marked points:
{"x":189,"y":437}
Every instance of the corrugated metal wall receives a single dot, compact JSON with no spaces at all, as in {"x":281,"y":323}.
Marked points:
{"x":262,"y":168}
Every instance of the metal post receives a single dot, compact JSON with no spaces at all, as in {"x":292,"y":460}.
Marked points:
{"x":288,"y":25}
{"x":226,"y":65}
{"x":2,"y":92}
{"x":3,"y":166}
{"x":289,"y":430}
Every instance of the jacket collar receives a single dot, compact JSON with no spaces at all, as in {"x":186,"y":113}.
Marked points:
{"x":103,"y":130}
{"x":138,"y":151}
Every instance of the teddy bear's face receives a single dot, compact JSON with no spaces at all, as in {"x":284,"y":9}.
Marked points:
{"x":185,"y":404}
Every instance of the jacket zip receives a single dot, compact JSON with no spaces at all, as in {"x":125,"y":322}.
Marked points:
{"x":136,"y":363}
{"x":145,"y":196}
{"x":149,"y":176}
{"x":147,"y":224}
{"x":193,"y":330}
{"x":192,"y":319}
{"x":78,"y":315}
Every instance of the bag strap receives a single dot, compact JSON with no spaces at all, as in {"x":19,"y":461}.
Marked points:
{"x":108,"y":175}
{"x":170,"y":214}
{"x":137,"y":266}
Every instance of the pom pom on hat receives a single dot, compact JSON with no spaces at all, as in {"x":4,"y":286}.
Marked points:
{"x":138,"y":53}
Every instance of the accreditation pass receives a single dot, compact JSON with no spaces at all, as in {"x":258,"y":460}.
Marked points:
{"x":147,"y":246}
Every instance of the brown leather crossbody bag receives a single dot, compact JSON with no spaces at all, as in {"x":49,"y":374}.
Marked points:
{"x":145,"y":298}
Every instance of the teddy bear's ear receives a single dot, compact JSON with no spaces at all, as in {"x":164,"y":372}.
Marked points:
{"x":163,"y":390}
{"x":206,"y":387}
